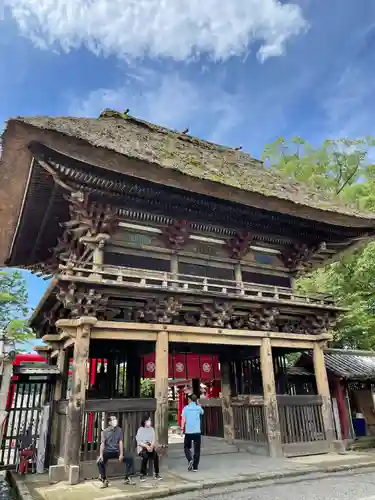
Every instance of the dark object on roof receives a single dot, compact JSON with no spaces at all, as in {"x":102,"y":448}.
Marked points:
{"x":157,"y":145}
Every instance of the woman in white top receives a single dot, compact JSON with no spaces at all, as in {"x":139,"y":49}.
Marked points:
{"x":146,"y":447}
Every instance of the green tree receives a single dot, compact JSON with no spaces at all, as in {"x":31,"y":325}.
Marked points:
{"x":344,"y":168}
{"x":13,"y":306}
{"x":336,"y":165}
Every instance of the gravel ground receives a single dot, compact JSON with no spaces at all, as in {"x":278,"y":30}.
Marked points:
{"x":339,"y":486}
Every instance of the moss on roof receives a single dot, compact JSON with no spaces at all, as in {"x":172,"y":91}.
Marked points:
{"x":141,"y":140}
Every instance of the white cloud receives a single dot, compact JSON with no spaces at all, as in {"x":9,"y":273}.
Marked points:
{"x":180,"y":29}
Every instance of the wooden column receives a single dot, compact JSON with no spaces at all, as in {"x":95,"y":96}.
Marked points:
{"x":226,"y":400}
{"x":271,"y":411}
{"x":133,"y":375}
{"x":161,"y":388}
{"x":77,"y":397}
{"x":56,"y":398}
{"x":60,"y":381}
{"x":323,"y":390}
{"x":238,"y":277}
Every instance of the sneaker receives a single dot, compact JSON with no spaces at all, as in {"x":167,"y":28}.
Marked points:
{"x":128,"y":481}
{"x":195,"y":470}
{"x":190,"y":466}
{"x":105,"y":484}
{"x":142,"y":479}
{"x":158,"y":477}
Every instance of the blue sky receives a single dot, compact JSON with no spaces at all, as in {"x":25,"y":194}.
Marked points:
{"x":240,"y":73}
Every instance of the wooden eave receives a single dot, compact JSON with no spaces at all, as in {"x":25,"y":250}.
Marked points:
{"x":151,"y":152}
{"x":44,"y":207}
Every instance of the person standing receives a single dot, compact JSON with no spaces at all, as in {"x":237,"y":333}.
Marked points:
{"x":146,"y":448}
{"x":191,"y":423}
{"x":112,"y":446}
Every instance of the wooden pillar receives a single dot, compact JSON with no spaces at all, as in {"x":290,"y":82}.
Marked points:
{"x":161,"y":388}
{"x":58,"y":394}
{"x":196,"y":387}
{"x":60,"y":381}
{"x":226,"y":401}
{"x":323,"y":390}
{"x":238,"y":278}
{"x":271,"y":410}
{"x":343,"y":413}
{"x":77,"y":397}
{"x":133,"y":375}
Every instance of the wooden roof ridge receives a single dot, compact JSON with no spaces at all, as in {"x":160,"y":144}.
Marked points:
{"x":194,"y":157}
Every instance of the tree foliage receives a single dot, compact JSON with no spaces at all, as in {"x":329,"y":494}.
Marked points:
{"x":13,"y":306}
{"x":343,"y":167}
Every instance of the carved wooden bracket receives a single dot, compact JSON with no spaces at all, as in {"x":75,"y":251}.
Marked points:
{"x":264,"y":319}
{"x":238,"y":246}
{"x":81,"y":301}
{"x":176,"y":235}
{"x":90,"y":225}
{"x":223,"y":315}
{"x":164,"y":310}
{"x":300,"y":255}
{"x":310,"y":325}
{"x":217,"y":314}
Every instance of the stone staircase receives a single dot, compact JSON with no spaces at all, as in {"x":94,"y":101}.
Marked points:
{"x":210,"y":446}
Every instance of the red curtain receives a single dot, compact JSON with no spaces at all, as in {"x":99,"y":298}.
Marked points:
{"x":184,"y":366}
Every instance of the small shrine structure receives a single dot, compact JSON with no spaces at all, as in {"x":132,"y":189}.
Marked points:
{"x":159,"y":242}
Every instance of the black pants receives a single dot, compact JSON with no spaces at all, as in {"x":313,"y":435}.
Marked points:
{"x":128,"y":461}
{"x":146,"y":455}
{"x":196,"y":439}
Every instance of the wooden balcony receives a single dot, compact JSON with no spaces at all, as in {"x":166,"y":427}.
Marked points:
{"x":148,"y":280}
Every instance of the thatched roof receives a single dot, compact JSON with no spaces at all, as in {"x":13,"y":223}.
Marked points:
{"x":191,"y":156}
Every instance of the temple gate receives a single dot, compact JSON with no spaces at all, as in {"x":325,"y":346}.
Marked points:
{"x":161,"y":243}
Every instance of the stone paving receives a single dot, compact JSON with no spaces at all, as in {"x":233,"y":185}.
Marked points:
{"x":215,"y":470}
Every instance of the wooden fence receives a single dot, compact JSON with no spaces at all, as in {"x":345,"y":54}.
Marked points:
{"x":212,"y":420}
{"x":129,"y":413}
{"x":301,"y":425}
{"x":249,"y":422}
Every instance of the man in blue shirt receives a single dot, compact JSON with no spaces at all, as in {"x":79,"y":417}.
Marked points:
{"x":191,"y":423}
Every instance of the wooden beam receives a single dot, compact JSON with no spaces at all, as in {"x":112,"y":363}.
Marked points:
{"x":161,"y":388}
{"x":68,"y":343}
{"x":213,"y":339}
{"x":120,"y":325}
{"x":109,"y":334}
{"x":323,"y":390}
{"x":292,"y":344}
{"x":270,"y":402}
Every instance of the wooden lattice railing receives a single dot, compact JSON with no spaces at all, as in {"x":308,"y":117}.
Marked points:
{"x":157,"y":280}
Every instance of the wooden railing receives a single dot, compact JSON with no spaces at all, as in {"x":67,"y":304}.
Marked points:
{"x":129,"y":413}
{"x":249,"y":422}
{"x":157,"y":280}
{"x":301,"y":419}
{"x":212,"y":420}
